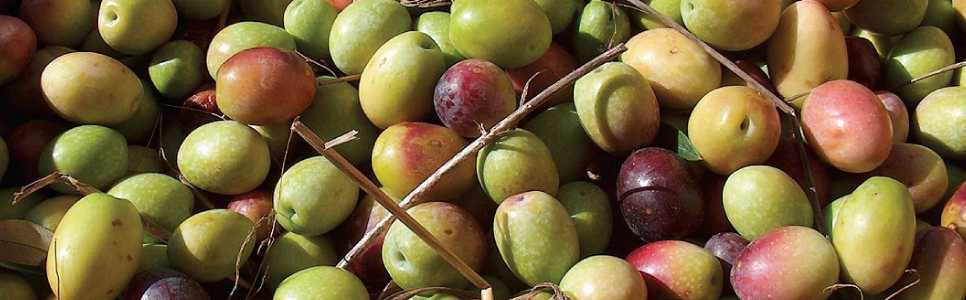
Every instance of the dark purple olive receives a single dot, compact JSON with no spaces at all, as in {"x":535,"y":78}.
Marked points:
{"x":658,"y":195}
{"x":164,"y":284}
{"x":864,"y":65}
{"x":726,"y":246}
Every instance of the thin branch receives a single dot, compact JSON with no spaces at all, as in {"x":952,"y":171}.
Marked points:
{"x":341,"y":79}
{"x":942,"y":70}
{"x":508,"y":123}
{"x":372,"y":189}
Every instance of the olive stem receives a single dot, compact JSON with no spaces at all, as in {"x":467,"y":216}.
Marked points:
{"x":333,"y":156}
{"x":942,"y":70}
{"x":341,"y":79}
{"x":508,"y":123}
{"x":811,"y":193}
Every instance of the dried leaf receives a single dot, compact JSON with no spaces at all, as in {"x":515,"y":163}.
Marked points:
{"x":23,"y":242}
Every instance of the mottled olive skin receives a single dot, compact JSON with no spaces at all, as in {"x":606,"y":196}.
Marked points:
{"x":807,"y":32}
{"x":733,"y":127}
{"x":641,"y":21}
{"x":572,"y":150}
{"x":158,"y":197}
{"x":177,"y":68}
{"x":920,"y":51}
{"x":10,"y":211}
{"x":937,"y":121}
{"x":918,"y":168}
{"x":413,"y":264}
{"x":940,"y":259}
{"x":90,"y":88}
{"x":265,"y":85}
{"x":874,"y":234}
{"x":603,"y":277}
{"x":658,"y":195}
{"x":136,"y":26}
{"x":617,"y":108}
{"x":310,"y":23}
{"x":335,"y":111}
{"x":224,"y":157}
{"x":788,"y":263}
{"x":731,"y":25}
{"x":472,"y":94}
{"x":888,"y":17}
{"x":847,"y":126}
{"x":92,"y":154}
{"x":337,"y":284}
{"x":436,"y":25}
{"x":291,"y":253}
{"x":208,"y":245}
{"x":362,"y":28}
{"x":405,"y":154}
{"x":758,"y":199}
{"x":495,"y":32}
{"x":599,"y":26}
{"x":95,"y":249}
{"x":398,"y":83}
{"x":48,"y":213}
{"x":589,"y":208}
{"x":678,"y":270}
{"x":679,"y":71}
{"x":240,"y":36}
{"x":516,"y":162}
{"x":727,"y":246}
{"x":536,"y":237}
{"x":954,"y":213}
{"x":313,"y":197}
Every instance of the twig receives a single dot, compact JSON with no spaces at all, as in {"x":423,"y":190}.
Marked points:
{"x":425,"y":3}
{"x":942,"y":70}
{"x":151,"y":227}
{"x":333,"y":156}
{"x":526,"y":89}
{"x":812,"y":193}
{"x":910,"y":285}
{"x":506,"y":124}
{"x":838,"y":286}
{"x":341,"y":79}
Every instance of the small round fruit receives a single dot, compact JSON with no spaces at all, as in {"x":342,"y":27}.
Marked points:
{"x":938,"y":121}
{"x":603,"y":277}
{"x":759,"y":199}
{"x":799,"y":258}
{"x":92,"y":154}
{"x":264,"y":85}
{"x":847,"y":126}
{"x":224,"y":157}
{"x":211,"y":245}
{"x":313,"y":197}
{"x":731,"y":25}
{"x":322,"y":283}
{"x":136,"y":26}
{"x":177,"y":68}
{"x":516,"y":162}
{"x":678,"y":270}
{"x":240,"y":36}
{"x":732,"y":127}
{"x":494,"y":33}
{"x":95,"y":249}
{"x":91,"y":88}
